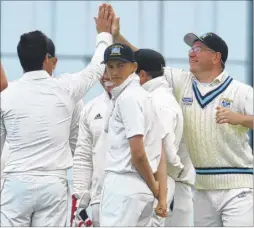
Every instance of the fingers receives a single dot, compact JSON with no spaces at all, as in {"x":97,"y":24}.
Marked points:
{"x":162,"y":212}
{"x":106,"y":13}
{"x":111,"y":16}
{"x":101,"y":12}
{"x":221,"y":119}
{"x":219,"y":107}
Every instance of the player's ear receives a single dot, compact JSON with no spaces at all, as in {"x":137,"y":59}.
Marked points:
{"x":135,"y":67}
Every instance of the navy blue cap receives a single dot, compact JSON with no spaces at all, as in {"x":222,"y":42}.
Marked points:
{"x":120,"y":52}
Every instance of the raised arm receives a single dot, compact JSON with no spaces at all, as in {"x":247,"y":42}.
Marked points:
{"x":79,"y":83}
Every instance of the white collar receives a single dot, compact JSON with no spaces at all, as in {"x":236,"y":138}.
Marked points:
{"x":116,"y":91}
{"x":153,"y":84}
{"x":35,"y":75}
{"x":220,"y":78}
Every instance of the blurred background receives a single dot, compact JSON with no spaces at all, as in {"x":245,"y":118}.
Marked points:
{"x":160,"y":25}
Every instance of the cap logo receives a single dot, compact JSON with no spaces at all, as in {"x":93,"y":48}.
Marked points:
{"x":116,"y":50}
{"x":206,"y":35}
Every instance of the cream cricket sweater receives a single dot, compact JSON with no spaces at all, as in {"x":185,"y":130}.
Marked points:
{"x":220,"y":154}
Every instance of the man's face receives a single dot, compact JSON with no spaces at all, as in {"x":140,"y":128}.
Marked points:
{"x":106,"y":83}
{"x":201,"y":58}
{"x":118,"y":71}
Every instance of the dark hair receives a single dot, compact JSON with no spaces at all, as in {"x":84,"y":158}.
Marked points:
{"x":51,"y":47}
{"x":155,"y":74}
{"x":32,"y":50}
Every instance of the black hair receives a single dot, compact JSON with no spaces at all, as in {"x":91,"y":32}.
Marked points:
{"x":32,"y":50}
{"x":155,"y":74}
{"x":51,"y":47}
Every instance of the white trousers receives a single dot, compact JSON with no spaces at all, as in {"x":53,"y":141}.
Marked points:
{"x":28,"y":200}
{"x":183,"y":213}
{"x":126,"y":200}
{"x":232,"y":207}
{"x":159,"y":221}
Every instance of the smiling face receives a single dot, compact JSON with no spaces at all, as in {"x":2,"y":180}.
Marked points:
{"x":201,"y":58}
{"x":118,"y":71}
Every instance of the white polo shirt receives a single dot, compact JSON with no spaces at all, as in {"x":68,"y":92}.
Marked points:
{"x":132,"y":114}
{"x":36,"y":114}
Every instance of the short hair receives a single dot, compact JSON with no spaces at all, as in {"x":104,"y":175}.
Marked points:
{"x":32,"y":50}
{"x":155,"y":74}
{"x":151,"y":61}
{"x":51,"y":47}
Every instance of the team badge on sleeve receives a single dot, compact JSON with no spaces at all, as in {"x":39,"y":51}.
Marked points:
{"x":226,"y":103}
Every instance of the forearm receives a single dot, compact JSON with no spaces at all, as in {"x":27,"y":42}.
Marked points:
{"x":120,"y":39}
{"x":144,"y":169}
{"x":247,"y":121}
{"x":161,"y":176}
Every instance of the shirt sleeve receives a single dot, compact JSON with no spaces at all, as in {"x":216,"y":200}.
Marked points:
{"x":75,"y":125}
{"x":132,"y":116}
{"x":168,"y":121}
{"x":83,"y":158}
{"x":79,"y":83}
{"x":175,"y":77}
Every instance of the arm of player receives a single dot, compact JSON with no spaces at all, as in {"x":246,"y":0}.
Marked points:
{"x":167,"y":118}
{"x":3,"y":79}
{"x":115,"y":31}
{"x":79,"y":83}
{"x":83,"y":159}
{"x":134,"y":125}
{"x":225,"y":115}
{"x":245,"y":118}
{"x":161,"y":176}
{"x":174,"y":76}
{"x":140,"y":161}
{"x":75,"y":126}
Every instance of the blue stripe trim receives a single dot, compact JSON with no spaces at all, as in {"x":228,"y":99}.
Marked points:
{"x":209,"y":171}
{"x":210,"y":96}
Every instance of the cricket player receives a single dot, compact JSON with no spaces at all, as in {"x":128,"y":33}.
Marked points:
{"x":84,"y":165}
{"x":74,"y":127}
{"x":218,"y":112}
{"x":150,"y":70}
{"x":135,"y":145}
{"x":39,"y":141}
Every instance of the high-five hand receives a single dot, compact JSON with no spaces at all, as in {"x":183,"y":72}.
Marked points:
{"x":104,"y":19}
